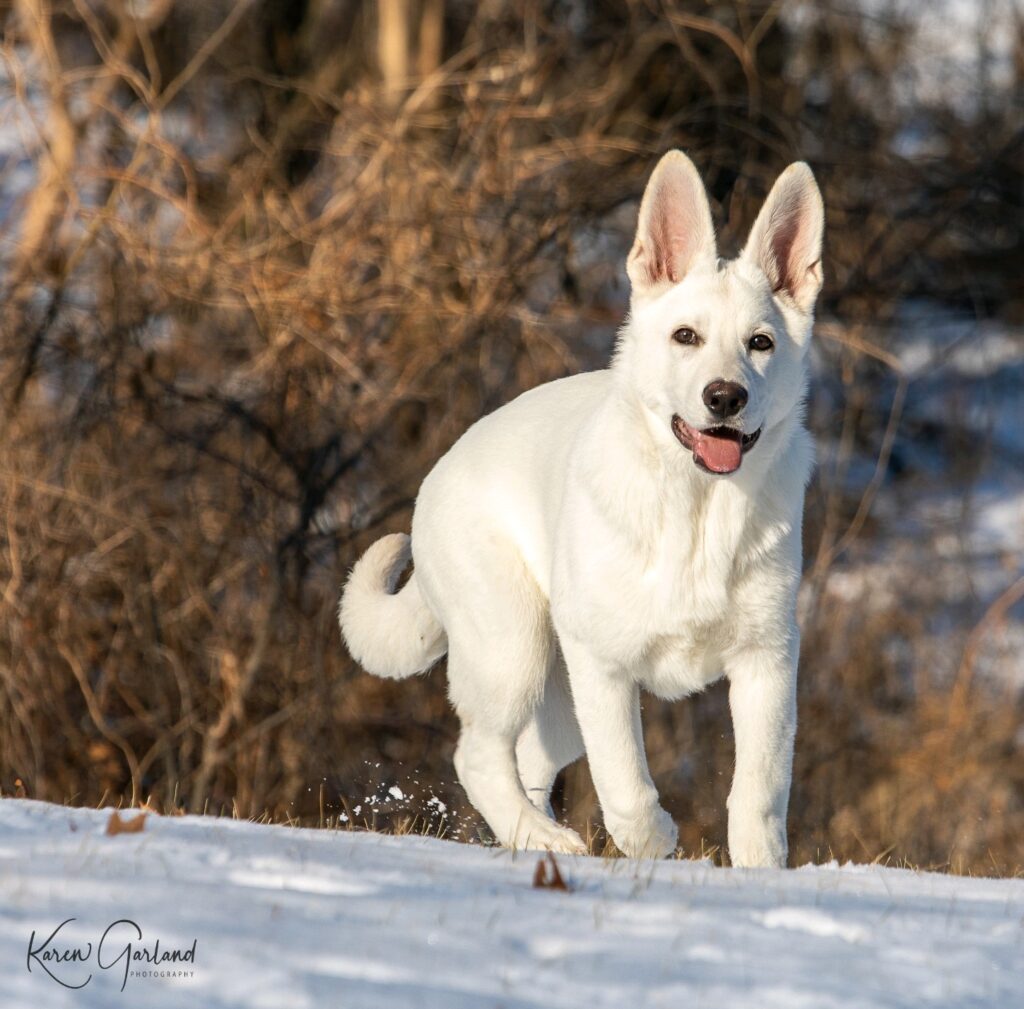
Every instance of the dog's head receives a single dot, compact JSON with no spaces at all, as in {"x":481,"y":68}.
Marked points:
{"x":717,"y":350}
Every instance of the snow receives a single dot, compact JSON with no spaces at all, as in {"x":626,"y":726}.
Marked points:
{"x":282,"y":917}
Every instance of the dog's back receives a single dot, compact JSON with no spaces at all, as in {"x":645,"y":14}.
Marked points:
{"x":503,"y":481}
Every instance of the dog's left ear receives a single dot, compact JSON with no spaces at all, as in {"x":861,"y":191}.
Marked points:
{"x":785,"y":241}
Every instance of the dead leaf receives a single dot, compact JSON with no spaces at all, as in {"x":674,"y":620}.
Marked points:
{"x":134,"y":825}
{"x":542,"y":880}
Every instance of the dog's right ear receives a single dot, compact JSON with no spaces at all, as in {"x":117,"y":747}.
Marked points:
{"x":675,"y":231}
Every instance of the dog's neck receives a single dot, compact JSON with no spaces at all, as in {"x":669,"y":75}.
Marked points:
{"x":659,"y":494}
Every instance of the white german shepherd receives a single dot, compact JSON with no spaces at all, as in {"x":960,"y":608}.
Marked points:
{"x":634,"y":527}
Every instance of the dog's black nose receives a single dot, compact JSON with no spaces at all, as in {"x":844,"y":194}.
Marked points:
{"x":724,"y":399}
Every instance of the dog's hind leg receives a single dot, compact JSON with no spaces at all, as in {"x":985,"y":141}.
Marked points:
{"x":493,"y":713}
{"x":486,"y":765}
{"x":550,"y":741}
{"x":498,"y":661}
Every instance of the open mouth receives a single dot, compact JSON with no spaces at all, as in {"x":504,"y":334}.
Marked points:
{"x":715,"y":449}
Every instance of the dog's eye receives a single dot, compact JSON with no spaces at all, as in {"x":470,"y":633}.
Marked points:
{"x":686,"y":336}
{"x":760,"y":341}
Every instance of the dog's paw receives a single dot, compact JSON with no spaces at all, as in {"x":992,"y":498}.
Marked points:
{"x":548,"y":836}
{"x":759,"y":844}
{"x":653,"y":834}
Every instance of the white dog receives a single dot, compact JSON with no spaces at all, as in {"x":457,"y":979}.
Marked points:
{"x":634,"y":527}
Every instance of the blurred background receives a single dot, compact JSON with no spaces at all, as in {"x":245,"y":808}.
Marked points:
{"x":263,"y":262}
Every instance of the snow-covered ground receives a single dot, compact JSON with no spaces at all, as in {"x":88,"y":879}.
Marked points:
{"x":287,"y":918}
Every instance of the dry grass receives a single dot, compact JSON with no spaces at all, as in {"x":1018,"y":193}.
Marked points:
{"x":251,"y":293}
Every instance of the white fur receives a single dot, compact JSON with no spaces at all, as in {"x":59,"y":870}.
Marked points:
{"x":392,"y":634}
{"x":574,"y":554}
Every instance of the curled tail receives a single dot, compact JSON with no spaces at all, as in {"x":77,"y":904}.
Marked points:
{"x":389,"y":633}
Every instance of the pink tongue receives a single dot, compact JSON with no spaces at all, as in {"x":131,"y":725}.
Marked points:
{"x":720,"y":455}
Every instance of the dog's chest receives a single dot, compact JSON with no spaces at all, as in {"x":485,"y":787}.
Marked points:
{"x":663,"y":600}
{"x":655,"y":574}
{"x":674,"y":665}
{"x":687,"y":597}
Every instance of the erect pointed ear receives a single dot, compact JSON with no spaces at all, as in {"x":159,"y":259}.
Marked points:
{"x":785,"y":241}
{"x":675,"y":230}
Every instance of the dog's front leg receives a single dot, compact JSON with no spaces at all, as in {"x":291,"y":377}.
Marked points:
{"x":762,"y":697}
{"x":607,"y":704}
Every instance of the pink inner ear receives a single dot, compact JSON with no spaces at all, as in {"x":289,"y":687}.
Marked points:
{"x":674,"y":228}
{"x":790,"y":252}
{"x":783,"y":242}
{"x":675,"y":233}
{"x":664,"y":238}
